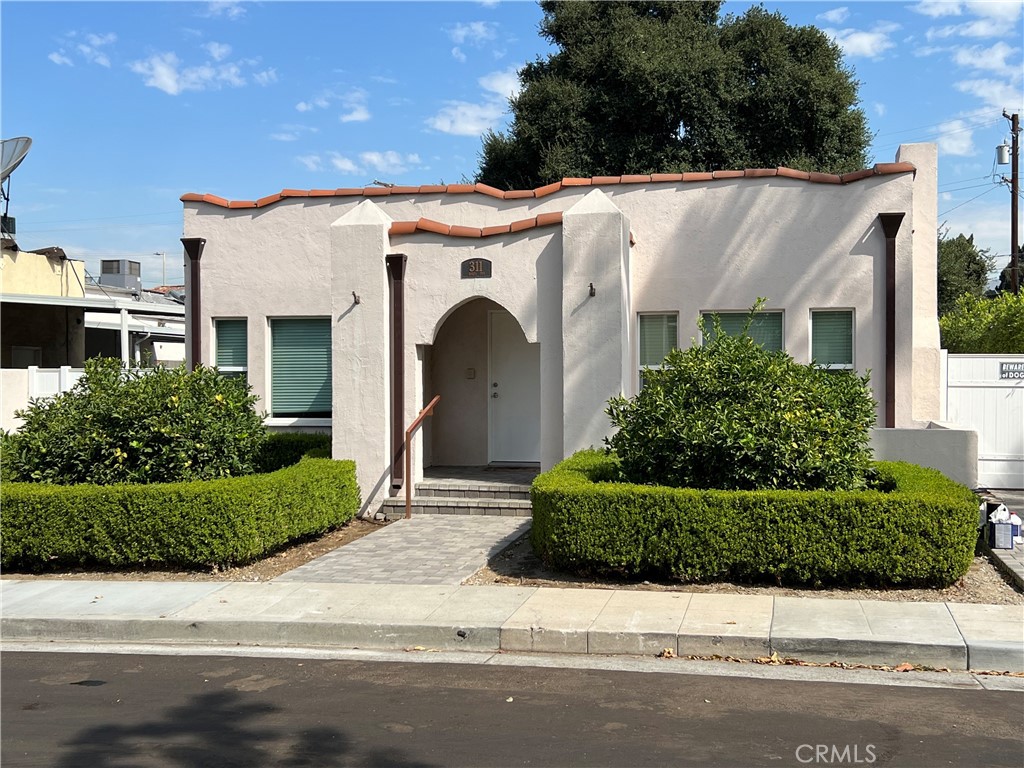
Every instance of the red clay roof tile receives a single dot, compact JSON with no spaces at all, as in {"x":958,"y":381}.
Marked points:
{"x":823,"y":178}
{"x":483,"y":189}
{"x":501,"y":229}
{"x":519,"y":226}
{"x":547,"y":189}
{"x":789,"y":173}
{"x":543,"y":219}
{"x":429,"y":225}
{"x":402,"y":228}
{"x":522,"y":194}
{"x":846,"y":178}
{"x":460,"y":231}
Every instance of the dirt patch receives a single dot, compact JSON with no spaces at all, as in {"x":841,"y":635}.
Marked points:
{"x":266,"y":569}
{"x":518,"y":565}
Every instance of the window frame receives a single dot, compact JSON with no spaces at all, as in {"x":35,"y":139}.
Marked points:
{"x":295,"y":420}
{"x":640,"y":367}
{"x":233,"y":370}
{"x":852,"y":365}
{"x":743,"y":312}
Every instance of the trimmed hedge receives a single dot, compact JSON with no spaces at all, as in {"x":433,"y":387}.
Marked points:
{"x":921,"y":533}
{"x":282,"y":449}
{"x":206,"y":523}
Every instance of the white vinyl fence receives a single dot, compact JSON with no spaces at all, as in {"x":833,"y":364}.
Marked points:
{"x":986,"y":393}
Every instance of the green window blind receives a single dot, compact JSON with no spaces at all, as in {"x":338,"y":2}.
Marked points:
{"x":766,"y":328}
{"x":232,"y":345}
{"x":300,"y":367}
{"x":832,"y":339}
{"x":658,"y":336}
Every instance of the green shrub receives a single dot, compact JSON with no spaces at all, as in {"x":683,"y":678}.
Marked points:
{"x":985,"y":326}
{"x":922,"y":533}
{"x":733,"y":416}
{"x":124,"y":426}
{"x":214,"y":522}
{"x":282,"y":449}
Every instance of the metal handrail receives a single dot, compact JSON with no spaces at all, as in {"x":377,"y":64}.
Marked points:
{"x":428,"y":411}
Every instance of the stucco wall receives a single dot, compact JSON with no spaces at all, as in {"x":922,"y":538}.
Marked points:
{"x":949,"y":449}
{"x":715,"y":245}
{"x":38,"y":275}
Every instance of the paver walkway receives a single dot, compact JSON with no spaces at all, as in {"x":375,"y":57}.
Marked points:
{"x":429,"y":549}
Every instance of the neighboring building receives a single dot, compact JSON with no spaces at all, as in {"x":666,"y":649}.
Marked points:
{"x":526,"y":311}
{"x":52,"y":316}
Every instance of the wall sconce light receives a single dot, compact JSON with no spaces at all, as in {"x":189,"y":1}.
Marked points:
{"x":593,"y":291}
{"x":355,"y":298}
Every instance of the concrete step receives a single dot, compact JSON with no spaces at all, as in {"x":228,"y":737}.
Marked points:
{"x":394,"y":507}
{"x":469,"y":490}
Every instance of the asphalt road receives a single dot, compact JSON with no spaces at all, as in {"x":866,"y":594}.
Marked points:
{"x":111,"y":710}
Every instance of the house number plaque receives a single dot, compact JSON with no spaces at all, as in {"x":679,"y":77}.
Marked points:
{"x":476,"y":268}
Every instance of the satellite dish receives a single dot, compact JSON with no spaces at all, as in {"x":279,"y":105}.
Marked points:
{"x":12,"y":152}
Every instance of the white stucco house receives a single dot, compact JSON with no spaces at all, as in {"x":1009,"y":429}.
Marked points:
{"x":527,"y":310}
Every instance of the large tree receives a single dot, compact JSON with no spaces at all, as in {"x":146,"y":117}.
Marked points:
{"x":650,"y":87}
{"x":963,"y":268}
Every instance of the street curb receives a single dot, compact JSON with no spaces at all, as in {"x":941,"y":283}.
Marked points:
{"x":446,"y":637}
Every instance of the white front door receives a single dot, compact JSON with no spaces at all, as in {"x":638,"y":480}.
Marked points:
{"x":513,"y":392}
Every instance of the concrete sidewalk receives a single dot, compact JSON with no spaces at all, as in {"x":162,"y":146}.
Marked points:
{"x":491,"y":618}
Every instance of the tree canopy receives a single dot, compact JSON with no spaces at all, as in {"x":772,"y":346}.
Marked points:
{"x":963,"y":268}
{"x":653,"y":87}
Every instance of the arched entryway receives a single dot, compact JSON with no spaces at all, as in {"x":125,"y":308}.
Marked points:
{"x":488,"y":376}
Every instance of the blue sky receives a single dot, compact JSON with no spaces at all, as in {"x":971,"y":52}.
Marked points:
{"x":132,"y":104}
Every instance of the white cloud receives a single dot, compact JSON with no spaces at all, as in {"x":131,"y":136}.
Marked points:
{"x":311,"y":162}
{"x":382,"y":79}
{"x":292,"y":132}
{"x":284,"y":136}
{"x":98,"y":41}
{"x":461,"y":118}
{"x":354,"y":103}
{"x":1005,"y":10}
{"x":266,"y":77}
{"x":930,"y":50}
{"x":91,"y":49}
{"x":946,"y":197}
{"x":474,"y":32}
{"x":389,"y":162}
{"x":218,"y":51}
{"x":868,"y":43}
{"x":992,"y":59}
{"x":343,"y":164}
{"x":58,"y":57}
{"x":955,"y":137}
{"x":998,"y":94}
{"x":504,"y":83}
{"x":164,"y":71}
{"x":835,"y":16}
{"x":228,"y":9}
{"x":936,"y":8}
{"x":879,"y":108}
{"x":458,"y":55}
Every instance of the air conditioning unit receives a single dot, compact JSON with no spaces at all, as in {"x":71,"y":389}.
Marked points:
{"x":7,"y":224}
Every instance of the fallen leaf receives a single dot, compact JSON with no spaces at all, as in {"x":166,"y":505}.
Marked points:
{"x":903,"y":667}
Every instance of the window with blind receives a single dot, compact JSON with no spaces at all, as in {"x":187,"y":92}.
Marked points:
{"x":765,"y":328}
{"x":300,"y":367}
{"x":658,"y":336}
{"x":832,"y":339}
{"x":232,"y":344}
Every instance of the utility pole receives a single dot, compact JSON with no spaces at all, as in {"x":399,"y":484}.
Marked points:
{"x":163,"y":265}
{"x":1014,"y":196}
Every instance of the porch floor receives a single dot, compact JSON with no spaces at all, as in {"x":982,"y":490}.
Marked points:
{"x":483,"y":475}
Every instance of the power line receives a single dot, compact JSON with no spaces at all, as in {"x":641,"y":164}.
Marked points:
{"x":968,"y":201}
{"x":106,"y":218}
